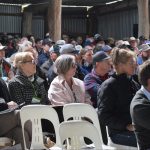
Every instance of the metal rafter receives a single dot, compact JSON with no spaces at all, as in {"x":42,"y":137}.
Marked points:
{"x":65,"y":2}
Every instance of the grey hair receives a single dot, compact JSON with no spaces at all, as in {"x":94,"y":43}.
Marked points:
{"x":63,"y":63}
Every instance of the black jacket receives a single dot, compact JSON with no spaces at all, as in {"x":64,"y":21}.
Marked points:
{"x":4,"y":91}
{"x":3,"y":106}
{"x":45,"y":67}
{"x":114,"y":98}
{"x":140,"y":113}
{"x":4,"y":94}
{"x":22,"y":90}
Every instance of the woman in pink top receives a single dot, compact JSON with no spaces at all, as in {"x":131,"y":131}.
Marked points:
{"x":65,"y":88}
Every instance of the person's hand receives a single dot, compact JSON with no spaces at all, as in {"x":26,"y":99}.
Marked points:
{"x":12,"y":105}
{"x":130,"y":127}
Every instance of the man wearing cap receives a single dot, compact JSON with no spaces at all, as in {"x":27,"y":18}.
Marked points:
{"x":144,"y":53}
{"x":98,"y":40}
{"x":5,"y":67}
{"x":53,"y":54}
{"x":48,"y":67}
{"x":133,"y":43}
{"x":93,"y":80}
{"x":46,"y":45}
{"x":142,"y":40}
{"x":107,"y":49}
{"x":60,"y":43}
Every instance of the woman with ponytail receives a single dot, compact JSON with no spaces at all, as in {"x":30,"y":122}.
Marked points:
{"x":115,"y":95}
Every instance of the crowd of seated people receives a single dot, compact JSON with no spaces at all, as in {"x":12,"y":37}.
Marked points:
{"x":102,"y":73}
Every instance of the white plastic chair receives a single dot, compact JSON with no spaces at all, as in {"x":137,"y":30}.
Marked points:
{"x":80,"y":110}
{"x":35,"y":113}
{"x":76,"y":129}
{"x":118,"y":146}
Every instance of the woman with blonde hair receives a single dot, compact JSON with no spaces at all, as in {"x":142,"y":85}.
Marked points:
{"x":115,"y":95}
{"x":25,"y":87}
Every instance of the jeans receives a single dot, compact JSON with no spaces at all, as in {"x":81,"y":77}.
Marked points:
{"x":126,"y":138}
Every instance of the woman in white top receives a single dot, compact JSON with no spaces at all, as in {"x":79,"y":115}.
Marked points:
{"x":65,"y":88}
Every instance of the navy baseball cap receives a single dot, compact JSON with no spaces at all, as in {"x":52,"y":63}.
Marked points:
{"x":100,"y":56}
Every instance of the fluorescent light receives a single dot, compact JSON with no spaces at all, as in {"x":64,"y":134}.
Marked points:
{"x":112,"y":2}
{"x":25,"y":5}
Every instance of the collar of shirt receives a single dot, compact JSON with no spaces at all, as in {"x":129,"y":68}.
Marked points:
{"x":146,"y":93}
{"x":62,"y":79}
{"x":71,"y":92}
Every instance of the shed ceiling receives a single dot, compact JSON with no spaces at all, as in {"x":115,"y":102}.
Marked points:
{"x":65,"y":2}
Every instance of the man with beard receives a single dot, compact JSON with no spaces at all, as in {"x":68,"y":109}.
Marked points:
{"x":144,"y":53}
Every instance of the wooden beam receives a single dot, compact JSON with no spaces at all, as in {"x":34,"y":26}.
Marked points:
{"x":143,"y":11}
{"x":27,"y":23}
{"x":54,"y":19}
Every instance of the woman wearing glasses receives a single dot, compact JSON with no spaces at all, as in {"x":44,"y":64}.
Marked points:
{"x":115,"y":95}
{"x":65,"y":88}
{"x":25,"y":87}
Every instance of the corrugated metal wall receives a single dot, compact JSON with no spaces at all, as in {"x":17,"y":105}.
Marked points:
{"x":73,"y":25}
{"x":8,"y":22}
{"x":70,"y":25}
{"x":10,"y":9}
{"x":13,"y":23}
{"x":118,"y":24}
{"x":38,"y":26}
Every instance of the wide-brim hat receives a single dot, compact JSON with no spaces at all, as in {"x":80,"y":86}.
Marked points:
{"x":2,"y":47}
{"x":132,"y":39}
{"x":144,"y":47}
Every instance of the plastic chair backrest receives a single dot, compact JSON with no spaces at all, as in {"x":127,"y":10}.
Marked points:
{"x":80,"y":110}
{"x":35,"y":113}
{"x":76,"y":129}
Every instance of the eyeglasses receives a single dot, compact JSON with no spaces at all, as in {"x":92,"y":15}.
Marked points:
{"x":74,"y":65}
{"x":33,"y":61}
